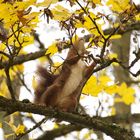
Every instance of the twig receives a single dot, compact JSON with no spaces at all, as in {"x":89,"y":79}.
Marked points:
{"x":61,"y":131}
{"x":128,"y":69}
{"x":135,"y":60}
{"x":94,"y":22}
{"x":5,"y":54}
{"x":9,"y":83}
{"x":28,"y":131}
{"x":128,"y":27}
{"x":105,"y":42}
{"x":23,"y":82}
{"x":18,"y":29}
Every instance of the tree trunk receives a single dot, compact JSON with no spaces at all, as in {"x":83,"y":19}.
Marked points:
{"x":122,"y":47}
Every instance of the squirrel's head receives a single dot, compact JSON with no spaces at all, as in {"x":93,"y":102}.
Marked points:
{"x":79,"y":47}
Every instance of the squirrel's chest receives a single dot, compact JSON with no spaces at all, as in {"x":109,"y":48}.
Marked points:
{"x":76,"y":76}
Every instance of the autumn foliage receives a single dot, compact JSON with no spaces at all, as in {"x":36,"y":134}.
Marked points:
{"x":21,"y":40}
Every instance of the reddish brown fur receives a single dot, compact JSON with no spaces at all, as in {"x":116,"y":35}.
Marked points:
{"x":45,"y":80}
{"x":49,"y":92}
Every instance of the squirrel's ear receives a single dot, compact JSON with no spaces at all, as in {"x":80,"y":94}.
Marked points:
{"x":77,"y":49}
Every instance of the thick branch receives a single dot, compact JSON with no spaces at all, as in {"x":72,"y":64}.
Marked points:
{"x":128,"y":27}
{"x":24,"y":58}
{"x":123,"y":118}
{"x":85,"y":121}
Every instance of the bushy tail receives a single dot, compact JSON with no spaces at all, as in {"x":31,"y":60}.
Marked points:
{"x":45,"y":79}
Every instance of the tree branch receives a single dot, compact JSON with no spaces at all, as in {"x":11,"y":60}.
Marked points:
{"x":24,"y":58}
{"x":28,"y":57}
{"x":128,"y":27}
{"x":61,"y":131}
{"x":9,"y":82}
{"x":112,"y":130}
{"x":65,"y":129}
{"x":28,"y":131}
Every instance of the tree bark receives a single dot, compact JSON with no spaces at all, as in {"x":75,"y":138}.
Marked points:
{"x":122,"y":47}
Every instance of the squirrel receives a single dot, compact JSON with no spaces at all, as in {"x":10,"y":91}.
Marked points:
{"x":60,"y":91}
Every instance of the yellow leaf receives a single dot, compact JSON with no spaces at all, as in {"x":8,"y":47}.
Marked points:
{"x":119,"y":5}
{"x":34,"y":82}
{"x":91,"y":87}
{"x":115,"y":36}
{"x":97,"y":1}
{"x":33,"y":18}
{"x":86,"y":136}
{"x":104,"y":80}
{"x":131,"y":90}
{"x":122,"y":89}
{"x":22,"y":5}
{"x":74,"y":38}
{"x":137,"y":17}
{"x":126,"y":93}
{"x":56,"y":125}
{"x":95,"y":90}
{"x":56,"y":67}
{"x":78,"y":24}
{"x":20,"y":129}
{"x":3,"y":89}
{"x":128,"y":98}
{"x":92,"y":15}
{"x":16,"y":114}
{"x":118,"y":100}
{"x":88,"y":24}
{"x":8,"y":135}
{"x":60,"y":13}
{"x":11,"y":13}
{"x":27,"y":40}
{"x":112,"y":55}
{"x":2,"y":73}
{"x":111,"y":89}
{"x":52,"y":49}
{"x":29,"y":115}
{"x":8,"y":15}
{"x":1,"y":94}
{"x":0,"y":125}
{"x":19,"y":68}
{"x":43,"y":60}
{"x":2,"y":47}
{"x":113,"y":111}
{"x":46,"y":3}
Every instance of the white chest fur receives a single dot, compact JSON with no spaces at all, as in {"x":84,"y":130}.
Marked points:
{"x":75,"y":78}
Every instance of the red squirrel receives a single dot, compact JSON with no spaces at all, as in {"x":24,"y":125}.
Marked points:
{"x":60,"y":91}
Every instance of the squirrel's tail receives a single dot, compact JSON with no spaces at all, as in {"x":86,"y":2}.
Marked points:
{"x":45,"y":79}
